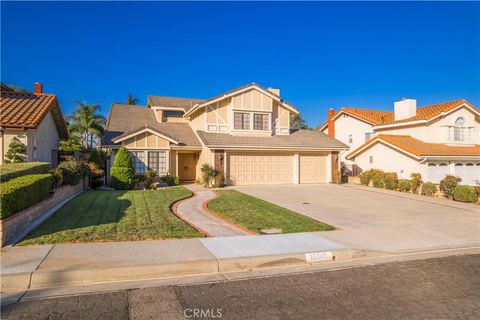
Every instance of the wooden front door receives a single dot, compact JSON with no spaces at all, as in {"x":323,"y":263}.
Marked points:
{"x":186,"y":166}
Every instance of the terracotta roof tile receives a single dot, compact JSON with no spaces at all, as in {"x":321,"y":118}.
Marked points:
{"x":420,"y":148}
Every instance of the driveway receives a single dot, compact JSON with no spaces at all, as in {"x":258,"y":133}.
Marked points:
{"x":379,"y":220}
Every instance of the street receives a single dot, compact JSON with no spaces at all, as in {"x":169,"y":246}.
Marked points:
{"x":446,"y":288}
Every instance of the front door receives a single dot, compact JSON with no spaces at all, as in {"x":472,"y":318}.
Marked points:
{"x":186,"y":166}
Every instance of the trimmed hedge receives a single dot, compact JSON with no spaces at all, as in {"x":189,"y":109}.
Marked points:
{"x":465,"y":194}
{"x":71,"y":172}
{"x":428,"y":189}
{"x":23,"y":192}
{"x":123,"y":173}
{"x":404,"y":185}
{"x":14,"y":170}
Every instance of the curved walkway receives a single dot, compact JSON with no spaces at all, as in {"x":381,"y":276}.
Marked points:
{"x":191,"y":210}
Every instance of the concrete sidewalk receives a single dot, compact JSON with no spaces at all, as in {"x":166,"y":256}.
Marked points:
{"x":61,"y":265}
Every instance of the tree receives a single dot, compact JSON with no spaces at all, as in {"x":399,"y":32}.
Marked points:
{"x":18,"y":89}
{"x":71,"y":144}
{"x":122,"y":172}
{"x":17,"y":151}
{"x":131,"y":100}
{"x":297,"y":122}
{"x":86,"y":124}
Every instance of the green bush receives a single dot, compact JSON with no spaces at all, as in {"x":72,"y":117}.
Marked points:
{"x":170,"y":180}
{"x":208,"y":173}
{"x":390,"y":180}
{"x":123,"y":172}
{"x":17,"y":151}
{"x":219,"y":180}
{"x":448,"y":184}
{"x":72,"y":172}
{"x":428,"y":189}
{"x":95,"y":176}
{"x":97,"y":158}
{"x":377,"y":182}
{"x":368,"y":176}
{"x":416,"y":181}
{"x":404,"y":185}
{"x":23,"y":192}
{"x":465,"y":194}
{"x":14,"y":170}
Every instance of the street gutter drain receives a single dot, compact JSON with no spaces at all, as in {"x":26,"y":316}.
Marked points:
{"x":305,"y":202}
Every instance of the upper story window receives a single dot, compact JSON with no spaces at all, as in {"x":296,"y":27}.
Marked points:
{"x":460,"y":131}
{"x":350,"y":138}
{"x":369,"y":135}
{"x":260,"y":121}
{"x":241,"y":121}
{"x":172,"y":114}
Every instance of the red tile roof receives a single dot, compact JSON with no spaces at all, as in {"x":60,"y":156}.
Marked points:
{"x":420,"y":148}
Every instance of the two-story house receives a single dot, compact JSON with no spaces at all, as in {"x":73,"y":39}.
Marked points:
{"x":433,"y":140}
{"x":244,"y":133}
{"x":33,"y":118}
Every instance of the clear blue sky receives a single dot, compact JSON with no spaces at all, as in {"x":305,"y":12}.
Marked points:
{"x":320,"y":55}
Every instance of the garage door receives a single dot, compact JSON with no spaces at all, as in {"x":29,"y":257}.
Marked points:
{"x":260,"y":168}
{"x":313,"y":168}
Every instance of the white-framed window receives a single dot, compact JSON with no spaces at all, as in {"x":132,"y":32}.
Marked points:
{"x":260,"y":121}
{"x":138,"y":158}
{"x":172,"y":114}
{"x":371,"y":159}
{"x":350,"y":138}
{"x":241,"y":121}
{"x":460,"y":131}
{"x":157,"y":161}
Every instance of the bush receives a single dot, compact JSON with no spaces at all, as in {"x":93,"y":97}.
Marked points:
{"x":23,"y":192}
{"x":416,"y":181}
{"x":404,"y":185}
{"x":390,"y":180}
{"x":448,"y":184}
{"x":208,"y":173}
{"x":365,"y":177}
{"x":15,"y":170}
{"x":97,"y":158}
{"x":336,"y":176}
{"x":95,"y":176}
{"x":465,"y":194}
{"x":219,"y":180}
{"x":368,"y":176}
{"x":428,"y":189}
{"x":123,"y":172}
{"x":170,"y":180}
{"x":71,"y":171}
{"x":17,"y":151}
{"x":377,"y":182}
{"x":71,"y":145}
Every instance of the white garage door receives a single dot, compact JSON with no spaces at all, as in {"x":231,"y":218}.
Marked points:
{"x":313,"y":168}
{"x":468,"y":172}
{"x":260,"y":168}
{"x":437,"y":171}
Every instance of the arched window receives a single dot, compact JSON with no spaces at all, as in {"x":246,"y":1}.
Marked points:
{"x":460,"y":131}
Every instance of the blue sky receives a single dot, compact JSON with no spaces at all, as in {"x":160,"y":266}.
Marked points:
{"x":320,"y":54}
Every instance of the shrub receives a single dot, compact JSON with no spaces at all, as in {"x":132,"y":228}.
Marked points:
{"x":368,"y":176}
{"x":428,"y":189}
{"x":17,"y":151}
{"x":416,"y":181}
{"x":377,"y":182}
{"x":336,"y":176}
{"x":219,"y":180}
{"x":448,"y":184}
{"x":151,"y":182}
{"x":170,"y":180}
{"x":71,"y":171}
{"x":123,"y":172}
{"x":23,"y":192}
{"x":365,"y":177}
{"x":95,"y":175}
{"x":404,"y":185}
{"x":390,"y":180}
{"x":208,"y":173}
{"x":15,"y":170}
{"x":465,"y":194}
{"x":71,"y":145}
{"x":97,"y":158}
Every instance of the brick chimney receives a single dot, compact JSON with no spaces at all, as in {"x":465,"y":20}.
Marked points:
{"x":331,"y":123}
{"x":37,"y":88}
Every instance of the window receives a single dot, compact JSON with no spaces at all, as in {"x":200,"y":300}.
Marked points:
{"x":260,"y":121}
{"x":157,"y":161}
{"x":460,"y":131}
{"x":172,"y":114}
{"x":371,"y":159}
{"x":350,"y":138}
{"x":138,"y":158}
{"x":241,"y":121}
{"x":369,"y":135}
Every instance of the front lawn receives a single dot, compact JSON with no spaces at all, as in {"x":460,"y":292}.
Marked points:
{"x":115,"y":216}
{"x":256,"y":214}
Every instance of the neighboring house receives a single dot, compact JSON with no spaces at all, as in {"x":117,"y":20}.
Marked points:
{"x":244,"y":133}
{"x":35,"y":119}
{"x":434,"y":140}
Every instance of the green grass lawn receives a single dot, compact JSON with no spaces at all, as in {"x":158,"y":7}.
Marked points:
{"x":115,"y":216}
{"x":256,"y":214}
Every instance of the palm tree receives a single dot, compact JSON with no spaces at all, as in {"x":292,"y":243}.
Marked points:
{"x":85,"y":124}
{"x":131,"y":100}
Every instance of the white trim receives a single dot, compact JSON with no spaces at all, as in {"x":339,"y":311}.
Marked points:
{"x":115,"y":140}
{"x":349,"y":157}
{"x":296,"y":168}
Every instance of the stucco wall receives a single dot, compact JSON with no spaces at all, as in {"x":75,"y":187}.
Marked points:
{"x":345,"y":126}
{"x":7,"y":137}
{"x":43,"y":140}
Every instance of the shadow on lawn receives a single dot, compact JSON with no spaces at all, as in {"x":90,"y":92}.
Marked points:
{"x":105,"y":210}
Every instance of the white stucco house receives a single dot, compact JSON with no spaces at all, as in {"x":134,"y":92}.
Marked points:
{"x":33,"y":118}
{"x":433,"y":140}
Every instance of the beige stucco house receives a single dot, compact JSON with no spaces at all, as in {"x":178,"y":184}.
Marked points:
{"x":34,"y":118}
{"x":433,"y":140}
{"x":244,"y":133}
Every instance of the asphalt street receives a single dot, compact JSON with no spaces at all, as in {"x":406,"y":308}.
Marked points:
{"x":442,"y":288}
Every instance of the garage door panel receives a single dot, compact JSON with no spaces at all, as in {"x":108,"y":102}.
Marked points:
{"x":313,"y":168}
{"x":261,"y":168}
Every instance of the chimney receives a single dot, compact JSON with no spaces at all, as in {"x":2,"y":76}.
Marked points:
{"x":37,"y":88}
{"x":274,"y":91}
{"x":331,"y":124}
{"x":404,"y":109}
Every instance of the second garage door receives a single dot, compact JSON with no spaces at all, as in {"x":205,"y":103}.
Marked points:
{"x":260,"y":168}
{"x":313,"y":168}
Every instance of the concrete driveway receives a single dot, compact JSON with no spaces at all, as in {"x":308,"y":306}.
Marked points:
{"x":379,"y":220}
